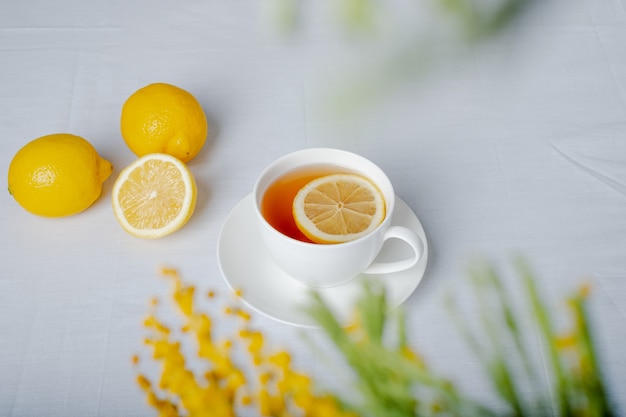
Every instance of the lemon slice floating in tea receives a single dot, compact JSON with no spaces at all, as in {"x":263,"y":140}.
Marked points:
{"x":154,"y":196}
{"x":338,"y":208}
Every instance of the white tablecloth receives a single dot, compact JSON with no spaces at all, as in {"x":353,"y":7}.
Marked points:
{"x":516,"y":146}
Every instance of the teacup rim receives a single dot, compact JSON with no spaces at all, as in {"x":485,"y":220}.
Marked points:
{"x":389,"y":199}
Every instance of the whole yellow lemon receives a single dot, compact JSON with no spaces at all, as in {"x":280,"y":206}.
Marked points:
{"x":57,"y":175}
{"x":163,"y":118}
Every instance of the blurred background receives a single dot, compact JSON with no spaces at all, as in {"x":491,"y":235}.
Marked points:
{"x":500,"y":122}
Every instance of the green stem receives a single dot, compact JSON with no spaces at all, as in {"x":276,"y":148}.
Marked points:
{"x":591,"y":375}
{"x":549,"y":336}
{"x":498,"y":366}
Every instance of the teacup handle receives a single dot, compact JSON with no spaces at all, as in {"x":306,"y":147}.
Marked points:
{"x":408,"y":236}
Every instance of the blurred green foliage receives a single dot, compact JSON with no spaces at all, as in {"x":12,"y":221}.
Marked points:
{"x":393,"y":44}
{"x":476,"y":18}
{"x":533,"y":369}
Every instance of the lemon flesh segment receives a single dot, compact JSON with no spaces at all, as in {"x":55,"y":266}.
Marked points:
{"x":154,"y":196}
{"x":338,"y":208}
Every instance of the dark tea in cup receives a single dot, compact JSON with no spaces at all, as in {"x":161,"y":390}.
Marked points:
{"x":277,"y":201}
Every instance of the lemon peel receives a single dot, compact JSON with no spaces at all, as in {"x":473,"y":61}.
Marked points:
{"x":57,"y":175}
{"x":164,"y":118}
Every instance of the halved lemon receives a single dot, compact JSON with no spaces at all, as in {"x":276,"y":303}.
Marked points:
{"x":154,"y":196}
{"x":338,"y":208}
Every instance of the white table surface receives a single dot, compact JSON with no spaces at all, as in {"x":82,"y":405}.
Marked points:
{"x":518,"y":147}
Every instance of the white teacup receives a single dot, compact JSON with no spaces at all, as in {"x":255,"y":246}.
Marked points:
{"x":327,"y":265}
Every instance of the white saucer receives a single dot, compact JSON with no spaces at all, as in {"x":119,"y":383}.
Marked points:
{"x":267,"y":289}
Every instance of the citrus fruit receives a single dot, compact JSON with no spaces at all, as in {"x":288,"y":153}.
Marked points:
{"x":163,"y":118}
{"x":57,"y":175}
{"x":154,"y":196}
{"x":338,"y":208}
